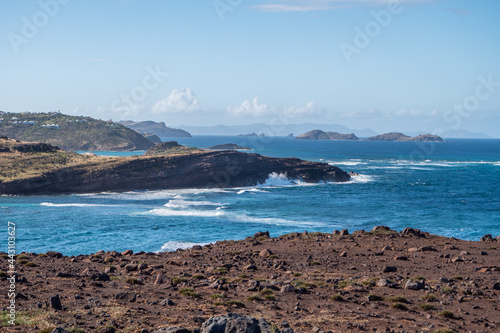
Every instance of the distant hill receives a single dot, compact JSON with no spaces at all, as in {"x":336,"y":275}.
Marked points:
{"x":462,"y":134}
{"x":274,"y":129}
{"x":156,"y":128}
{"x":396,"y":136}
{"x":71,"y":132}
{"x":253,"y":135}
{"x":320,"y":135}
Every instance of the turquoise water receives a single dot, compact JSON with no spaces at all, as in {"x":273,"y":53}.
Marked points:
{"x":449,"y":188}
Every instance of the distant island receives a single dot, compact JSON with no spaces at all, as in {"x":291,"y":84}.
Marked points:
{"x":34,"y":168}
{"x":228,"y":146}
{"x":253,"y":135}
{"x":71,"y":132}
{"x":155,"y":128}
{"x":396,"y":136}
{"x":320,"y":135}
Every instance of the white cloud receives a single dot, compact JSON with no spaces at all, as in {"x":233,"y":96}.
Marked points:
{"x":310,"y":109}
{"x":408,"y":113}
{"x":322,"y":5}
{"x":125,"y":110}
{"x":179,"y":101}
{"x":364,"y":114}
{"x":251,"y":108}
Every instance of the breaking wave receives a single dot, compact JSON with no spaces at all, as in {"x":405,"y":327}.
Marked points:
{"x":174,"y":245}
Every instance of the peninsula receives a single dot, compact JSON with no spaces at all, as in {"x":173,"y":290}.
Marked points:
{"x":40,"y":168}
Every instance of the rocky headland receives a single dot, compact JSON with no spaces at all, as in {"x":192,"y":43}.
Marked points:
{"x":165,"y":166}
{"x":376,"y":281}
{"x":157,"y":128}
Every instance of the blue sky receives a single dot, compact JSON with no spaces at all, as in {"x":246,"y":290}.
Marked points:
{"x":426,"y":66}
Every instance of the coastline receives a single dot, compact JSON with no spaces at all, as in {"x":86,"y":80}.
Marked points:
{"x":338,"y":282}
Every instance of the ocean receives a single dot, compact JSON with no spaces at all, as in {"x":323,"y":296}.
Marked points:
{"x":449,"y":188}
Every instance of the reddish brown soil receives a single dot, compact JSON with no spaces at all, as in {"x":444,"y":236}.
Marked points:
{"x":335,"y":280}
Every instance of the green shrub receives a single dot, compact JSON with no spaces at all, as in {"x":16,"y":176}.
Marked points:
{"x":447,"y":314}
{"x":189,"y":292}
{"x":427,"y":307}
{"x":398,"y":299}
{"x":429,"y":298}
{"x":337,"y":298}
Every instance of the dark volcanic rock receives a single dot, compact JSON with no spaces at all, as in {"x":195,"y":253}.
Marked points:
{"x":55,"y":302}
{"x":201,"y":170}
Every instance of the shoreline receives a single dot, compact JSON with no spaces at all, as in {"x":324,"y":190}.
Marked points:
{"x":377,"y":280}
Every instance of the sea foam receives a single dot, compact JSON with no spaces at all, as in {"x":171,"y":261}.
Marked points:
{"x":174,"y":245}
{"x":50,"y":204}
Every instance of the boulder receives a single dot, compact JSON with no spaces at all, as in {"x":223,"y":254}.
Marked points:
{"x":381,"y":228}
{"x":54,"y":254}
{"x":265,"y":253}
{"x":55,"y":302}
{"x":261,"y":234}
{"x":172,"y":330}
{"x":288,"y":288}
{"x":487,"y":238}
{"x":344,"y":232}
{"x":131,"y":267}
{"x":129,"y":296}
{"x":413,"y":285}
{"x":160,"y":279}
{"x":385,"y":283}
{"x":390,"y":269}
{"x":412,"y":232}
{"x":59,"y":330}
{"x":253,"y":285}
{"x":235,"y":323}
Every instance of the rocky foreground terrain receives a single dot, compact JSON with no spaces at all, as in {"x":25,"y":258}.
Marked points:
{"x":377,"y":281}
